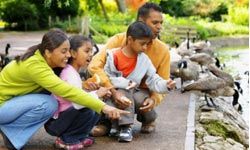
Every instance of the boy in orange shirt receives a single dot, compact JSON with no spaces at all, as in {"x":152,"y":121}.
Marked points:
{"x":126,"y":67}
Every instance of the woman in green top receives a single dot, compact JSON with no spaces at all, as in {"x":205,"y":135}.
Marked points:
{"x":23,"y":108}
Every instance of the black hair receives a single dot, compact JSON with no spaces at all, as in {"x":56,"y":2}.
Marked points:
{"x":50,"y":41}
{"x":145,"y":9}
{"x":77,"y":41}
{"x":139,"y":30}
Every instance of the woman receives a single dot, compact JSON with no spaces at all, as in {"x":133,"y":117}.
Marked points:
{"x":23,"y":110}
{"x":72,"y":123}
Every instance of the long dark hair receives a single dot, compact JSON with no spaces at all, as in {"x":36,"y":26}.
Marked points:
{"x":77,"y":41}
{"x":51,"y":40}
{"x":144,"y":10}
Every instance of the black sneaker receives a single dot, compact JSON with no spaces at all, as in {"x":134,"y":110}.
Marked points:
{"x":7,"y":142}
{"x":125,"y":134}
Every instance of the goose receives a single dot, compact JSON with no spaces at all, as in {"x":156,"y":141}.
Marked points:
{"x":185,"y":69}
{"x":237,"y":84}
{"x":236,"y":103}
{"x":4,"y":57}
{"x":202,"y":59}
{"x":247,"y":74}
{"x":218,"y":83}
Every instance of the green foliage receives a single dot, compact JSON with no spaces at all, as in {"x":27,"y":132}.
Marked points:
{"x":223,"y":28}
{"x":172,"y":7}
{"x":20,"y":15}
{"x":239,"y":15}
{"x":100,"y":38}
{"x":218,"y":12}
{"x":118,"y":23}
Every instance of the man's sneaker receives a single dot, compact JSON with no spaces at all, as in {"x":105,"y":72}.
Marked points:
{"x":148,"y":128}
{"x":125,"y":134}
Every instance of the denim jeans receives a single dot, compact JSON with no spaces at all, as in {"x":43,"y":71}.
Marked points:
{"x":72,"y":125}
{"x":22,"y":116}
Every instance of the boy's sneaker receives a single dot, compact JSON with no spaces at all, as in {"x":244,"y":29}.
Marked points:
{"x":61,"y":145}
{"x":114,"y":132}
{"x":125,"y":134}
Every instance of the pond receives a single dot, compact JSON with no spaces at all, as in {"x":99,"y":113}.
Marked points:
{"x":237,"y":63}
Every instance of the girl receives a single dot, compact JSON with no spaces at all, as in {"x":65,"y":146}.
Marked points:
{"x":72,"y":123}
{"x":23,"y":110}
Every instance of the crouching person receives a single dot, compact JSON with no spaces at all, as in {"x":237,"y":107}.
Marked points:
{"x":126,"y":67}
{"x":72,"y":123}
{"x":23,"y":109}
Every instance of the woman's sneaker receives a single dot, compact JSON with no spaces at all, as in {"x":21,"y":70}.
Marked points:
{"x":125,"y":134}
{"x":60,"y":144}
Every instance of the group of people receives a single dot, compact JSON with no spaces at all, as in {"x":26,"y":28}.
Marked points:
{"x":44,"y":87}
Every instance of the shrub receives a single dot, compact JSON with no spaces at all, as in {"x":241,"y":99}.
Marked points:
{"x":21,"y":13}
{"x":239,"y":15}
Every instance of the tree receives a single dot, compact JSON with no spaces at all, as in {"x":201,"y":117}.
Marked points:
{"x":121,"y":5}
{"x":20,"y":15}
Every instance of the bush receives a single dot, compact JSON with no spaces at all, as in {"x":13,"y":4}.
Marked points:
{"x":21,"y":13}
{"x":239,"y":15}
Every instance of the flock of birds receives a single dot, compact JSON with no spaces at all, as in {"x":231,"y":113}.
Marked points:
{"x":196,"y":63}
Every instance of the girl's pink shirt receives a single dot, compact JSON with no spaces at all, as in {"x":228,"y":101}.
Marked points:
{"x":70,"y":75}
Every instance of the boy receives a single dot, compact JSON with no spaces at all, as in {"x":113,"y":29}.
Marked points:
{"x":126,"y":67}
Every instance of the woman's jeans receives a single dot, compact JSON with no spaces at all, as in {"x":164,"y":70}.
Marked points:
{"x":22,"y":116}
{"x":72,"y":125}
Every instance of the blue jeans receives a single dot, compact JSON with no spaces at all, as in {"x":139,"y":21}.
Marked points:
{"x":72,"y":125}
{"x":22,"y":116}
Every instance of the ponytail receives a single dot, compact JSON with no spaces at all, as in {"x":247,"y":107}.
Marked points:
{"x":30,"y":52}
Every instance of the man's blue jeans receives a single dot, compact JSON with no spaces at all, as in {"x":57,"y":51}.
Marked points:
{"x":22,"y":116}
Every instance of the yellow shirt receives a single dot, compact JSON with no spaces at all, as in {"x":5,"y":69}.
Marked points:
{"x":33,"y":75}
{"x":157,"y":52}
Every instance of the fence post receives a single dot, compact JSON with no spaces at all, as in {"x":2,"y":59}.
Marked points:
{"x":69,"y":18}
{"x":50,"y":22}
{"x":85,"y":26}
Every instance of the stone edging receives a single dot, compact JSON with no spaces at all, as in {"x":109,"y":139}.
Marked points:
{"x":190,"y":133}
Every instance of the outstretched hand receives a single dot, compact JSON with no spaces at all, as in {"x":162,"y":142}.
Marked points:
{"x":171,"y":84}
{"x":113,"y":113}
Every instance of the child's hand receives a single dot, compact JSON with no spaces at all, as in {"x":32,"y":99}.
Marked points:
{"x":104,"y":92}
{"x":92,"y":84}
{"x":171,"y":84}
{"x":113,"y":113}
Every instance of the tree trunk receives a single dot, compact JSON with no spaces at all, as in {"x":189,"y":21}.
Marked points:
{"x":121,"y":5}
{"x":104,"y":10}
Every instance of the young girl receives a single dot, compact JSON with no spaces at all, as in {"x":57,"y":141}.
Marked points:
{"x":72,"y":123}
